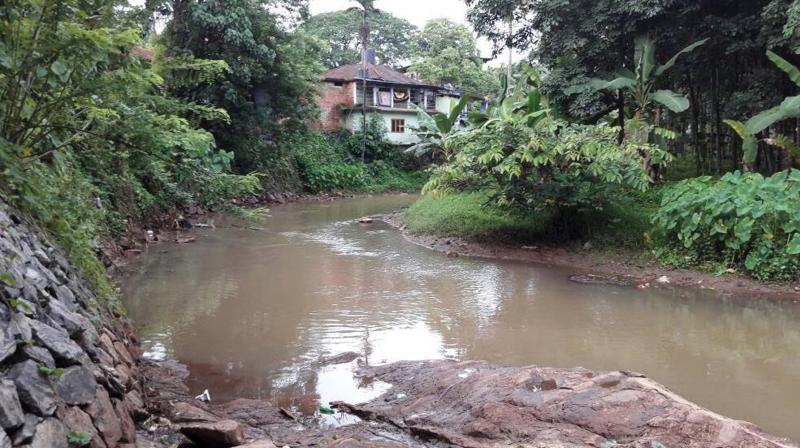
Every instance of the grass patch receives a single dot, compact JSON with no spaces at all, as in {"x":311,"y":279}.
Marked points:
{"x":472,"y":215}
{"x":623,"y":225}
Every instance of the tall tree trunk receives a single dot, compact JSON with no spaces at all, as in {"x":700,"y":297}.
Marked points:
{"x":695,"y":125}
{"x":717,"y":118}
{"x":621,"y":112}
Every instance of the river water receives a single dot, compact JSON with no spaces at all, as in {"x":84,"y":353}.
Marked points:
{"x":252,"y":312}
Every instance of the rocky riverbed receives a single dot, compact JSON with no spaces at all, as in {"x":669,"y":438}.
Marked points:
{"x":463,"y":404}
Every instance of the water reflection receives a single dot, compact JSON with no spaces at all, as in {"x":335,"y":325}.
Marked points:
{"x":252,"y":313}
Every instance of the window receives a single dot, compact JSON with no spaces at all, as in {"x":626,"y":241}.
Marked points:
{"x":398,"y":126}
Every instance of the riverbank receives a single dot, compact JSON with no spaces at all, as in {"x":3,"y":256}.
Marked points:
{"x":496,"y":237}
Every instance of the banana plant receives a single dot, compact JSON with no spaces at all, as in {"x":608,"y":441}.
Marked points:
{"x":640,"y":85}
{"x":524,"y":101}
{"x":437,"y":131}
{"x":789,"y":108}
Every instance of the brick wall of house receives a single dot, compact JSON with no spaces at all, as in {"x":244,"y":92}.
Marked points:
{"x":330,"y":100}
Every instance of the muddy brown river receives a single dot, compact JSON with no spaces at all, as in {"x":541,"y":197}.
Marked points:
{"x":252,"y":312}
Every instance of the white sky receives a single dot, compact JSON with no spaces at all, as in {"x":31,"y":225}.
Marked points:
{"x":417,"y":12}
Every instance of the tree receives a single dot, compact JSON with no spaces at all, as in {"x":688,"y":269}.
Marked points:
{"x":575,"y":40}
{"x":269,"y":89}
{"x":390,"y":37}
{"x":447,"y":53}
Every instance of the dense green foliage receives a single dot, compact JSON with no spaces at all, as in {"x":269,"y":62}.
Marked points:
{"x":333,"y":162}
{"x":741,"y":220}
{"x":267,"y":91}
{"x":90,"y":145}
{"x":563,"y":37}
{"x":391,"y":37}
{"x":447,"y":53}
{"x":534,"y":161}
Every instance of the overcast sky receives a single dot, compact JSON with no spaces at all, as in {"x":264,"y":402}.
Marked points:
{"x":417,"y":12}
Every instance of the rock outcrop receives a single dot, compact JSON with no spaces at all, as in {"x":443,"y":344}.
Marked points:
{"x":68,"y":366}
{"x":475,"y":404}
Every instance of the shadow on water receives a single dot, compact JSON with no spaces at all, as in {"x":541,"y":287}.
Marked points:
{"x":252,"y":313}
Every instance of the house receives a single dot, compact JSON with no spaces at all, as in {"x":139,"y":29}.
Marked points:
{"x":389,"y":94}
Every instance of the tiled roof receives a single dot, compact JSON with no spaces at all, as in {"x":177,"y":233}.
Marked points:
{"x":144,"y":53}
{"x":352,"y":72}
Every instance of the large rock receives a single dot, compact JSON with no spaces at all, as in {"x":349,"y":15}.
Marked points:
{"x":11,"y":415}
{"x":224,"y":433}
{"x":64,"y":349}
{"x":476,"y":404}
{"x":182,"y":412}
{"x":105,"y":418}
{"x":33,"y":388}
{"x":51,"y":433}
{"x":77,"y":385}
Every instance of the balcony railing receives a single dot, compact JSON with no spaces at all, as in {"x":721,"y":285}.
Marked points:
{"x":396,"y":98}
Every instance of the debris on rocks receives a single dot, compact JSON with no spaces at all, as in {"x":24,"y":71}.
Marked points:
{"x":664,"y":280}
{"x":205,"y":396}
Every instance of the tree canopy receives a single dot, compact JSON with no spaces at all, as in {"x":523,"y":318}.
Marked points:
{"x":390,"y":36}
{"x":447,"y":53}
{"x":730,"y":76}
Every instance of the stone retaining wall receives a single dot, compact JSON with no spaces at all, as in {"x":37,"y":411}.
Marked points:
{"x":68,"y":366}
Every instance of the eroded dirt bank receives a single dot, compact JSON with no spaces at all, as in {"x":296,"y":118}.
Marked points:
{"x":596,"y":267}
{"x":464,"y":404}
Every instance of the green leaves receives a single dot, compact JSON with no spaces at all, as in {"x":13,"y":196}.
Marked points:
{"x":786,"y":66}
{"x":741,"y":220}
{"x":645,"y":58}
{"x":79,"y":438}
{"x":793,"y":248}
{"x":789,"y":107}
{"x":673,"y":101}
{"x":669,"y":64}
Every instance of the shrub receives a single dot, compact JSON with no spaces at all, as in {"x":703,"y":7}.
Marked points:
{"x":740,"y":220}
{"x":326,"y":163}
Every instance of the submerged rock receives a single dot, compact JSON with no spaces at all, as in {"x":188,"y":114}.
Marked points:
{"x":592,"y":279}
{"x":341,"y":358}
